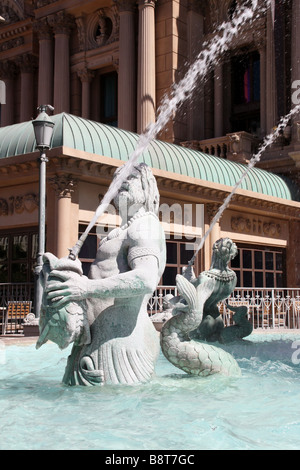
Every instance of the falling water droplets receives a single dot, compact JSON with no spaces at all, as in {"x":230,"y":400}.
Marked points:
{"x":209,"y":55}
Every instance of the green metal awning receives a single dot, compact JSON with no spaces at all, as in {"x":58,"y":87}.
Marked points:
{"x":100,"y":139}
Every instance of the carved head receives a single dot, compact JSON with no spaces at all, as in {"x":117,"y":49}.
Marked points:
{"x":139,"y":189}
{"x":224,"y":250}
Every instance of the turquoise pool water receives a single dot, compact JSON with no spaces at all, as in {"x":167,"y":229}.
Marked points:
{"x":260,"y":410}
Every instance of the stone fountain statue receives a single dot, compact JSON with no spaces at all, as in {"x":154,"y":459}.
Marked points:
{"x":105,"y":314}
{"x":196,"y":315}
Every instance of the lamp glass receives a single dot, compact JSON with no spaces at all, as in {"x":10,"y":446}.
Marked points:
{"x":43,"y":132}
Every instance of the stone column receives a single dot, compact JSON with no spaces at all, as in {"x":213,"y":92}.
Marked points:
{"x":127,"y":67}
{"x":27,"y":64}
{"x":64,"y":186}
{"x":62,"y":25}
{"x":146,"y":100}
{"x":195,"y":35}
{"x":86,"y":77}
{"x":295,"y":61}
{"x":45,"y":83}
{"x":218,"y":102}
{"x":8,"y":72}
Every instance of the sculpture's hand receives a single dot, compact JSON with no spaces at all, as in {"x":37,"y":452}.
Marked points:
{"x":65,"y":288}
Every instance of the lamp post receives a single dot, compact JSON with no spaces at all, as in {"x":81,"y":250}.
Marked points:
{"x":43,"y":129}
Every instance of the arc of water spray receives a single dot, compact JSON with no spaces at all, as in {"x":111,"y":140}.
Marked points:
{"x":256,"y":158}
{"x":220,"y":43}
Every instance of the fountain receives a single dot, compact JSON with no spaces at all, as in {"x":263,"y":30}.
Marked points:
{"x":109,"y":346}
{"x":216,"y":412}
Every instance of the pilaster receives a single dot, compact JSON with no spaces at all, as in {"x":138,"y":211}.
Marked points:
{"x":146,"y":101}
{"x":62,"y":25}
{"x":45,"y":82}
{"x":86,"y":75}
{"x":27,"y":64}
{"x":64,"y":187}
{"x":127,"y":67}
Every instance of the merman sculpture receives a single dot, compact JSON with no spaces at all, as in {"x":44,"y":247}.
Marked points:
{"x":197,"y":316}
{"x":105,"y":314}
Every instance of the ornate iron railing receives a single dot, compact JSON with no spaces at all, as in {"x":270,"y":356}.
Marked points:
{"x":13,"y":292}
{"x":267,"y":308}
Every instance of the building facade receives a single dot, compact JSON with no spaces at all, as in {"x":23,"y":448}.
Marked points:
{"x":111,"y":62}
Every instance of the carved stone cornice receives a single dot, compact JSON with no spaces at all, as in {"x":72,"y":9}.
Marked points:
{"x":211,"y":210}
{"x":256,"y":226}
{"x":126,"y":5}
{"x":18,"y":204}
{"x":61,"y":22}
{"x":63,"y":185}
{"x":16,"y":30}
{"x":43,"y":29}
{"x":8,"y":45}
{"x":27,"y":63}
{"x":100,"y":29}
{"x":85,"y":75}
{"x":42,"y":3}
{"x":8,"y":69}
{"x":81,"y":32}
{"x":146,"y":3}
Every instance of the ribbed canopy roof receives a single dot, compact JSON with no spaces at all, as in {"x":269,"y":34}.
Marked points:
{"x":100,"y":139}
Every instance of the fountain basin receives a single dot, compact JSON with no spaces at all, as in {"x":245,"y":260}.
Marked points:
{"x":259,"y":410}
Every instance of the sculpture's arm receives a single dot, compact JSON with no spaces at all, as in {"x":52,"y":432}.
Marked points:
{"x":141,"y":279}
{"x":143,"y":259}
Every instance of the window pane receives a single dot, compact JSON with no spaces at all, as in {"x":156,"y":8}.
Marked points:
{"x":259,"y":279}
{"x":279,"y":261}
{"x":3,"y":273}
{"x":247,"y":259}
{"x":35,"y":246}
{"x":32,"y":271}
{"x":86,"y":268}
{"x":19,"y":272}
{"x":235,"y":262}
{"x":258,"y":259}
{"x":172,"y":253}
{"x":186,"y":252}
{"x":269,"y":280}
{"x":89,"y":248}
{"x":3,"y":248}
{"x":279,"y":280}
{"x":269,"y":260}
{"x":169,"y":276}
{"x":20,"y":247}
{"x":109,"y":98}
{"x":247,"y":275}
{"x":238,"y":277}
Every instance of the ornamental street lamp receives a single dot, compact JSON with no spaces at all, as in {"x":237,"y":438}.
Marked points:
{"x":43,"y":129}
